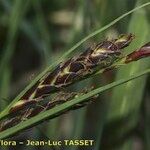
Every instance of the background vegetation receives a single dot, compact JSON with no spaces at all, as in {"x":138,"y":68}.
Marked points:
{"x":33,"y":34}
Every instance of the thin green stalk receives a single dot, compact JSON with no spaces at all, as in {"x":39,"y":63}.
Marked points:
{"x":77,"y":32}
{"x":61,"y":108}
{"x":79,"y":116}
{"x":126,"y":92}
{"x":125,"y":101}
{"x":6,"y":110}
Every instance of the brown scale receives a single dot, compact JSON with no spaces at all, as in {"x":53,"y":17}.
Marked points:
{"x":60,"y":98}
{"x":101,"y":55}
{"x":75,"y":68}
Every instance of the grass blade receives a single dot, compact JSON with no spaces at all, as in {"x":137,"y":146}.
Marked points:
{"x":52,"y":112}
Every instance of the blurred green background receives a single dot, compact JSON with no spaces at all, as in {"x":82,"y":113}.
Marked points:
{"x":35,"y":33}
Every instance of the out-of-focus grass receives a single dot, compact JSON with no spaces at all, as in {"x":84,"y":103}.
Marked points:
{"x":4,"y":90}
{"x":146,"y":133}
{"x":105,"y":13}
{"x":44,"y":31}
{"x":4,"y":87}
{"x":5,"y":70}
{"x":29,"y":30}
{"x":126,"y":100}
{"x":14,"y":21}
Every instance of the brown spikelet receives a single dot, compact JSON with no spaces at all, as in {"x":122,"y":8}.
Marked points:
{"x":37,"y":108}
{"x":97,"y":57}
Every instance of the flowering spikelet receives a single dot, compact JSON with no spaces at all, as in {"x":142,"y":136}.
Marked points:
{"x":36,"y":108}
{"x":97,"y":57}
